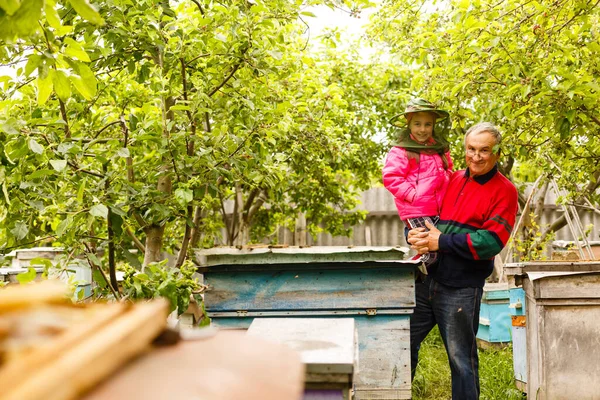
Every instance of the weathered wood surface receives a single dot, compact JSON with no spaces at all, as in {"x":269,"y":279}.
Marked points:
{"x":94,"y":356}
{"x":568,"y":287}
{"x":310,"y":290}
{"x":320,"y":266}
{"x":326,"y":346}
{"x":295,"y":255}
{"x":228,"y":366}
{"x":383,"y":367}
{"x":383,"y":357}
{"x":377,"y":292}
{"x":551,"y":266}
{"x":563,"y":345}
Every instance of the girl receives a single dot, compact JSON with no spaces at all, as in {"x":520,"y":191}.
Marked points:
{"x":417,"y":169}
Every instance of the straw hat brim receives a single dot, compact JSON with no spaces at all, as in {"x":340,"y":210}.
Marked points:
{"x":441,"y":114}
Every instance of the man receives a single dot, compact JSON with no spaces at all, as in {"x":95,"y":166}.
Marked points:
{"x":477,"y":215}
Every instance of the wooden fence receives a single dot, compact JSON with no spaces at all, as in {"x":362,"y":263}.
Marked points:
{"x":383,"y":227}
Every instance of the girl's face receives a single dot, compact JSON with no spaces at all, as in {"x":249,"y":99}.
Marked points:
{"x":421,"y":126}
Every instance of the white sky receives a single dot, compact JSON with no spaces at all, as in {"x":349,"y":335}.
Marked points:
{"x":328,"y":18}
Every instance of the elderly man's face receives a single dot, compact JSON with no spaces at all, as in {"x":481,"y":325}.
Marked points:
{"x":479,"y":153}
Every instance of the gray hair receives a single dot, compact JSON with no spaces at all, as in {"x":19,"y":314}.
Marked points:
{"x":485,"y":127}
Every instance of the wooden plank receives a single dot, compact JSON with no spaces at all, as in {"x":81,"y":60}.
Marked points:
{"x":553,"y":266}
{"x":383,"y":367}
{"x":309,"y":313}
{"x":310,"y":290}
{"x":17,"y":371}
{"x":569,"y":287}
{"x":326,"y":346}
{"x":93,"y":359}
{"x":227,"y":366}
{"x":570,"y":346}
{"x":383,"y":394}
{"x":49,"y":291}
{"x":318,"y":254}
{"x":383,"y":357}
{"x":309,"y":265}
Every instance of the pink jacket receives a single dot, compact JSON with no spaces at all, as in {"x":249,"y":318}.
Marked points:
{"x":418,"y":188}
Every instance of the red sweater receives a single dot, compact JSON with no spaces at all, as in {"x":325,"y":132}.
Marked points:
{"x":476,"y":220}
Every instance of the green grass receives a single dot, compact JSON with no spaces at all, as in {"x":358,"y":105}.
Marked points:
{"x":432,"y":381}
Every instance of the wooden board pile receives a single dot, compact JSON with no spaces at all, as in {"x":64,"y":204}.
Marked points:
{"x":54,"y":350}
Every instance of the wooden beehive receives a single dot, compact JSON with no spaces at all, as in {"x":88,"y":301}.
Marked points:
{"x":52,"y":349}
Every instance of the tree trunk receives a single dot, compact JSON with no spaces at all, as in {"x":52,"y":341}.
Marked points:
{"x":154,"y":239}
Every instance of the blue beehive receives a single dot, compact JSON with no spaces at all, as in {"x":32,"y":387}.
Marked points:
{"x":519,"y":336}
{"x":495,"y":317}
{"x":373,"y":286}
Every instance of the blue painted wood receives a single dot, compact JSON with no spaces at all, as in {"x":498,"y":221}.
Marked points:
{"x":381,"y":288}
{"x":494,"y":316}
{"x":351,"y":285}
{"x":383,"y":353}
{"x":517,"y":298}
{"x":519,"y":337}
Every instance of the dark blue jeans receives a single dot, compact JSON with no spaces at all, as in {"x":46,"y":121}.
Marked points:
{"x":456,"y":312}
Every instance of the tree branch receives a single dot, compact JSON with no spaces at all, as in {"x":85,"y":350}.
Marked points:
{"x":233,"y":71}
{"x":114,"y":290}
{"x":199,"y":6}
{"x":186,"y":237}
{"x":63,"y":113}
{"x":105,"y":127}
{"x":138,"y":244}
{"x":189,"y":143}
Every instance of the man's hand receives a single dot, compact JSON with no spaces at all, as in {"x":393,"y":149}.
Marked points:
{"x":424,"y":242}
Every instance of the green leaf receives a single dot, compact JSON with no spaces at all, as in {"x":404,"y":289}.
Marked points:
{"x":87,"y":11}
{"x":93,"y":258}
{"x":41,"y":173}
{"x":10,"y":6}
{"x":44,"y":87}
{"x":23,"y":22}
{"x":131,"y":259}
{"x":75,"y":50}
{"x":563,"y":126}
{"x":26,"y":277}
{"x":99,"y":278}
{"x":58,"y":165}
{"x":35,"y":146}
{"x":51,"y":14}
{"x":5,"y":192}
{"x":62,"y":86}
{"x":33,"y":62}
{"x":16,"y":149}
{"x":63,"y":226}
{"x":41,"y":262}
{"x":117,"y":223}
{"x":9,"y":126}
{"x":20,"y":230}
{"x":184,"y":196}
{"x":85,"y":83}
{"x":99,"y":211}
{"x":123,"y":152}
{"x":80,"y":190}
